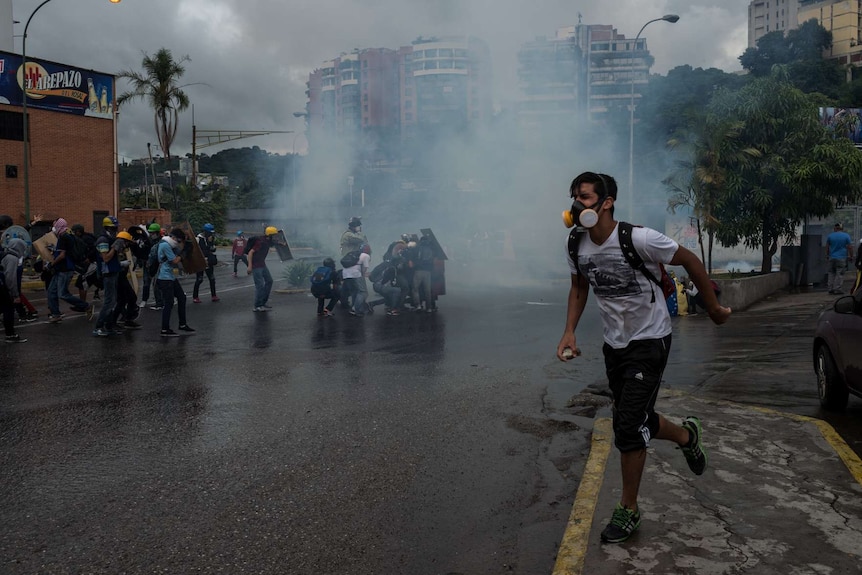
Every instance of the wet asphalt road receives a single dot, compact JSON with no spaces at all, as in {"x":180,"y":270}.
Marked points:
{"x":279,"y":442}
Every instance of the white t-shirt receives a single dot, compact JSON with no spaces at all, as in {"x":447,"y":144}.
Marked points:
{"x":359,"y":269}
{"x":624,"y":294}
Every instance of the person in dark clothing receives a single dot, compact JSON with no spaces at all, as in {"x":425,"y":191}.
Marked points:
{"x":206,"y":241}
{"x":330,"y":290}
{"x":9,"y":286}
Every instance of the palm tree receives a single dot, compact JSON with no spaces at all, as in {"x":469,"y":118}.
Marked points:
{"x":158,"y":84}
{"x":713,"y":154}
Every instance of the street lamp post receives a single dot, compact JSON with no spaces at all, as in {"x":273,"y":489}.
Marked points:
{"x":24,"y":109}
{"x":672,"y":18}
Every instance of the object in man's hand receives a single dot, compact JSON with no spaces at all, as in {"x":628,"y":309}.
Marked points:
{"x":568,"y":353}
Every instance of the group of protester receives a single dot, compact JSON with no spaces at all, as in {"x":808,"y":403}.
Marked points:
{"x":402,"y":279}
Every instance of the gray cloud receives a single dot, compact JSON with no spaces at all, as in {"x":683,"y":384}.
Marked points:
{"x":255,"y":55}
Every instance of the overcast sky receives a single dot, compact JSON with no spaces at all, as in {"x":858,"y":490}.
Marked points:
{"x":254,"y":56}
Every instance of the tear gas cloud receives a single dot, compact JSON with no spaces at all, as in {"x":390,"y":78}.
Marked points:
{"x":250,"y":60}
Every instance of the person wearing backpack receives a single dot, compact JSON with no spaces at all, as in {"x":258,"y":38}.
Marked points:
{"x":353,"y":238}
{"x":326,"y":284}
{"x":383,"y":280}
{"x":355,"y":287}
{"x":636,"y":330}
{"x":206,"y":241}
{"x":63,"y":268}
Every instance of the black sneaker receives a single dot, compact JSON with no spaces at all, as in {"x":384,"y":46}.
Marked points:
{"x":15,"y":339}
{"x":169,"y":333}
{"x":186,"y":328}
{"x":623,"y":523}
{"x":694,"y":452}
{"x":131,"y":324}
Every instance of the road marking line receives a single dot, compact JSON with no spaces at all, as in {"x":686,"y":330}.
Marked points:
{"x":573,"y":547}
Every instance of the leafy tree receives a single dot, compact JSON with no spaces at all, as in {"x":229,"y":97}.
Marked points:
{"x":158,"y":84}
{"x":801,"y":51}
{"x":712,"y":153}
{"x":802,"y":170}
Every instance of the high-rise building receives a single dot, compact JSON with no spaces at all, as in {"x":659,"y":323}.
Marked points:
{"x":550,"y":77}
{"x":446,"y":84}
{"x":435,"y":83}
{"x":765,"y":16}
{"x":354,"y":92}
{"x":844,"y":19}
{"x":585,"y":72}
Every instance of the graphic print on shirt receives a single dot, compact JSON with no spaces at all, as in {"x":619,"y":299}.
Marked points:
{"x":610,"y":275}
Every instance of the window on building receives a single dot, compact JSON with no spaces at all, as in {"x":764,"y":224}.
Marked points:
{"x":11,"y":126}
{"x":445,"y":52}
{"x":408,"y":116}
{"x":430,"y":53}
{"x":408,"y":104}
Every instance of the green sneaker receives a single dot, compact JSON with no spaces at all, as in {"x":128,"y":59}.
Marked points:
{"x":623,"y":523}
{"x":694,"y":452}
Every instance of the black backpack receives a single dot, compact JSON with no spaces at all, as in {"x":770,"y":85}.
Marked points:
{"x":381,"y":273}
{"x":249,"y":244}
{"x":624,"y":231}
{"x":350,"y":259}
{"x":78,"y":253}
{"x":153,"y":261}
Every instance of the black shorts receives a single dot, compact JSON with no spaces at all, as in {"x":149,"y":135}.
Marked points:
{"x":634,"y":375}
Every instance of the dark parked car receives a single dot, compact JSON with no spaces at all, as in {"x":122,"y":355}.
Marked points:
{"x":838,"y":352}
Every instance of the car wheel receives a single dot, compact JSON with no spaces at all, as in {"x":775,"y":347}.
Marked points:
{"x":832,"y":391}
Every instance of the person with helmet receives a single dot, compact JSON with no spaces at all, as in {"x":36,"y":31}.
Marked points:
{"x":206,"y":240}
{"x":109,"y":269}
{"x":258,"y":250}
{"x":169,"y":255}
{"x":237,"y":251}
{"x":154,"y":231}
{"x":63,"y":268}
{"x":353,"y":238}
{"x":126,"y":309}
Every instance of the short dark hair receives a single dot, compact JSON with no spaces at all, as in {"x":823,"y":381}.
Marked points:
{"x":605,"y":185}
{"x":178,"y":234}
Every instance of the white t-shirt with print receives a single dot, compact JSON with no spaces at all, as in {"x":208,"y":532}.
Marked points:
{"x":624,"y":294}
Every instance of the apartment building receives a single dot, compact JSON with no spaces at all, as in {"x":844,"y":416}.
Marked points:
{"x":586,"y":72}
{"x":432,"y":83}
{"x":844,"y":19}
{"x":446,"y":84}
{"x":765,"y":16}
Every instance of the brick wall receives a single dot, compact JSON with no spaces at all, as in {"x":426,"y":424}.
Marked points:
{"x":71,"y":168}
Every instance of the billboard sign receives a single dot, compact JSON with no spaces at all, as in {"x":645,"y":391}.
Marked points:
{"x":56,"y":87}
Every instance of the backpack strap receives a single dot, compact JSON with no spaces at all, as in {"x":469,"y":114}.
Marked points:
{"x":574,"y":242}
{"x":624,"y":231}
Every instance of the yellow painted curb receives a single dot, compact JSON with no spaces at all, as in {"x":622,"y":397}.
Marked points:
{"x":847,"y":455}
{"x":832,"y":437}
{"x":573,"y":547}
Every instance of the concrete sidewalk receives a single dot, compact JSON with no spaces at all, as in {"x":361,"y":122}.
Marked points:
{"x":781,"y":496}
{"x":782,"y":493}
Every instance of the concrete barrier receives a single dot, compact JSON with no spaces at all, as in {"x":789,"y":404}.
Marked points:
{"x":739,"y":293}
